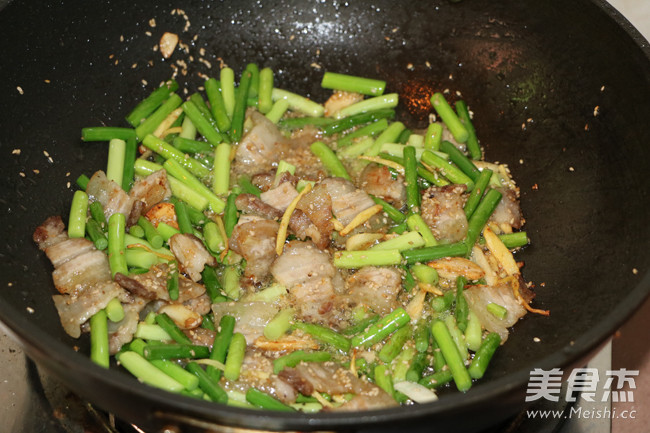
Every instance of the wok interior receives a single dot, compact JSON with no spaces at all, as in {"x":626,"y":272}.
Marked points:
{"x":559,"y":92}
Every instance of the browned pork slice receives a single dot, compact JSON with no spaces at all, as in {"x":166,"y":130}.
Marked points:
{"x":478,"y":297}
{"x":151,"y":190}
{"x":67,"y":250}
{"x":81,"y":272}
{"x":315,"y":223}
{"x":109,"y":194}
{"x":317,"y":207}
{"x":508,"y":211}
{"x":264,"y":180}
{"x":333,"y":379}
{"x":308,"y":274}
{"x":375,"y":287}
{"x":200,"y":305}
{"x":280,"y":197}
{"x":260,"y":147}
{"x":452,"y":267}
{"x":155,"y":282}
{"x":82,"y":275}
{"x":347,"y":200}
{"x":251,"y":317}
{"x":50,"y":233}
{"x":308,"y":165}
{"x":378,"y":180}
{"x":134,"y":287}
{"x":121,"y":333}
{"x":75,"y":310}
{"x":152,"y":286}
{"x":255,"y":241}
{"x":442,"y":210}
{"x":339,"y":100}
{"x":201,"y":336}
{"x":250,"y":204}
{"x":283,"y":177}
{"x":191,"y":254}
{"x":257,"y":372}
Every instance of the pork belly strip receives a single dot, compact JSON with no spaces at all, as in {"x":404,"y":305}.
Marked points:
{"x":442,"y":210}
{"x":332,"y":378}
{"x":255,"y":241}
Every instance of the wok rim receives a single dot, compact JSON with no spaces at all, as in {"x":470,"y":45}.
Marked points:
{"x":40,"y":346}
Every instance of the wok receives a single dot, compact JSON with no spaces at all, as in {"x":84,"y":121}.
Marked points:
{"x":560,"y":92}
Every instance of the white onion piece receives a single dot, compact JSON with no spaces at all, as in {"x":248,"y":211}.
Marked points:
{"x":416,"y":392}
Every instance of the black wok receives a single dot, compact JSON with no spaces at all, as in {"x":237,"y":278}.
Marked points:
{"x":562,"y":86}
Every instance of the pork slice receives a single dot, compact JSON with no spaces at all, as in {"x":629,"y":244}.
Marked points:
{"x":134,"y":287}
{"x":332,"y":378}
{"x":109,"y":194}
{"x":264,"y":181}
{"x":151,"y":190}
{"x":251,"y":317}
{"x":317,"y":207}
{"x":257,"y":372}
{"x":81,"y":272}
{"x":250,"y":204}
{"x":260,"y":147}
{"x":347,"y":200}
{"x":375,"y":287}
{"x":308,"y":275}
{"x":368,"y":402}
{"x":200,"y":305}
{"x":337,"y":186}
{"x":350,"y":205}
{"x":378,"y":180}
{"x":339,"y":100}
{"x":191,"y":254}
{"x":51,"y":232}
{"x":298,"y":153}
{"x":201,"y":336}
{"x":280,"y":197}
{"x":508,"y":210}
{"x":122,"y":332}
{"x":155,"y":282}
{"x":75,"y":310}
{"x":442,"y":210}
{"x":300,"y":262}
{"x":478,"y":297}
{"x":301,"y":226}
{"x":67,"y":250}
{"x":255,"y":241}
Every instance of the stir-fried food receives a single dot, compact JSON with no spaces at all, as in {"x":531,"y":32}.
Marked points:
{"x":261,"y":249}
